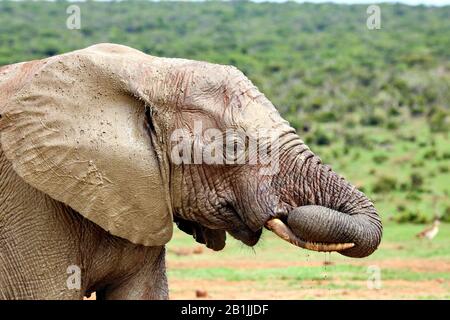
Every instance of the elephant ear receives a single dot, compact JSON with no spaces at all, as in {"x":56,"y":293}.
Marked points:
{"x":77,"y":135}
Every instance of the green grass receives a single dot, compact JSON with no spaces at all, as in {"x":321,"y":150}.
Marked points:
{"x":236,"y":263}
{"x":341,"y":272}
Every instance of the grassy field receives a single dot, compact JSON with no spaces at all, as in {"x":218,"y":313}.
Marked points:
{"x":373,"y":104}
{"x":409,"y":268}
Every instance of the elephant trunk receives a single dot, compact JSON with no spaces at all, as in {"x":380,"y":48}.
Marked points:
{"x":331,"y":214}
{"x":322,"y":224}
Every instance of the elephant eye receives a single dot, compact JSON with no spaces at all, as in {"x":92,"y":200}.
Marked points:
{"x":148,"y":120}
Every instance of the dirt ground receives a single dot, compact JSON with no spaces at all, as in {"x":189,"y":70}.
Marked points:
{"x":391,"y":289}
{"x":319,"y":289}
{"x":418,"y":265}
{"x":409,"y":268}
{"x":342,"y":289}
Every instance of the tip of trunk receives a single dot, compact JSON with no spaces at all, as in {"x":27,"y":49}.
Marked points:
{"x":325,"y":225}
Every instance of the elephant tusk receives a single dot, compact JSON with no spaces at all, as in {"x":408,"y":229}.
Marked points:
{"x":284,"y":232}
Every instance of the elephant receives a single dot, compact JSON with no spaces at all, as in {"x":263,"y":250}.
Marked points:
{"x":91,"y":186}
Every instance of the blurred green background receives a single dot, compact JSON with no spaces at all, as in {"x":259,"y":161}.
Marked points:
{"x":374,"y":104}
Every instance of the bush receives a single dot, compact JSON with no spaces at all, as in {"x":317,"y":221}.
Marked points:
{"x":393,"y":112}
{"x":372,"y":119}
{"x":412,"y":217}
{"x":416,"y":181}
{"x":403,"y":186}
{"x":418,"y":164}
{"x":413,"y":196}
{"x":384,"y":184}
{"x":422,"y":144}
{"x":380,"y":158}
{"x":439,"y":121}
{"x":318,"y":137}
{"x":430,"y":154}
{"x":321,"y":138}
{"x":392,"y":125}
{"x":357,"y":140}
{"x":446,"y":216}
{"x":417,"y":110}
{"x":325,"y":116}
{"x":350,"y":123}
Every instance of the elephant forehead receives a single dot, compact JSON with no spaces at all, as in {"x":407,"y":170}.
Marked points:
{"x":14,"y":77}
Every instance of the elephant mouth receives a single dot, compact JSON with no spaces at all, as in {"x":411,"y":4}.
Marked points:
{"x":283,"y":231}
{"x":246,"y":236}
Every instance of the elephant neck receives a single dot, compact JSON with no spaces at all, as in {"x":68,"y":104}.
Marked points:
{"x":176,"y":184}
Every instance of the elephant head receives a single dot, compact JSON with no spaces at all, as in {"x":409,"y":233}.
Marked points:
{"x":114,"y":134}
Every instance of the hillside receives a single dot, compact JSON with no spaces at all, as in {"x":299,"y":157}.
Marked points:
{"x":372,"y":103}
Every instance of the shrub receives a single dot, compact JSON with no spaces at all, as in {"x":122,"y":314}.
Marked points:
{"x":335,"y":153}
{"x":430,"y":154}
{"x":412,"y":217}
{"x":346,"y":150}
{"x":350,"y":123}
{"x":393,"y":112}
{"x":417,"y":110}
{"x":403,"y":186}
{"x":372,"y":119}
{"x":384,"y":184}
{"x":446,"y":216}
{"x":439,"y":121}
{"x":380,"y":158}
{"x":321,"y":138}
{"x":326,"y":116}
{"x":418,"y":164}
{"x":416,"y":181}
{"x":318,"y":137}
{"x":413,"y":196}
{"x":357,"y":140}
{"x":392,"y":125}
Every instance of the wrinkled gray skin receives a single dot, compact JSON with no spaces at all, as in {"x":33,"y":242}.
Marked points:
{"x":40,"y":237}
